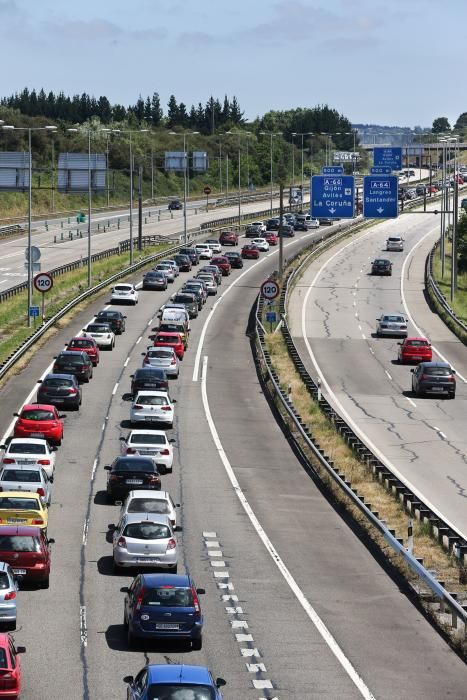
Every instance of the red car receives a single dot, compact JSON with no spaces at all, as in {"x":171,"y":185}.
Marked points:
{"x":170,"y":340}
{"x":271,"y":237}
{"x":27,"y":550}
{"x":250,"y":252}
{"x":228,"y":238}
{"x":415,"y":350}
{"x":87,"y":345}
{"x":222,"y":263}
{"x":10,"y":667}
{"x":39,"y":420}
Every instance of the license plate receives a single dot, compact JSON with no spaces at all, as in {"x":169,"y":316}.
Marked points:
{"x":133,"y":481}
{"x":17,"y":520}
{"x":25,"y":461}
{"x":166,"y":626}
{"x":152,"y":419}
{"x":37,"y":435}
{"x":59,"y":400}
{"x":151,"y":560}
{"x":437,"y":388}
{"x":19,"y":571}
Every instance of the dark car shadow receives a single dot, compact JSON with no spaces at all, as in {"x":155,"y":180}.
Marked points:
{"x":101,"y":499}
{"x":105,"y":566}
{"x":128,"y":396}
{"x":116,"y":638}
{"x":125,"y":424}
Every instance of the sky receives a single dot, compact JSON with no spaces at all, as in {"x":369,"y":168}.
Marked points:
{"x":398,"y":62}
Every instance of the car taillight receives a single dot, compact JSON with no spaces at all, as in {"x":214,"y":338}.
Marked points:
{"x":146,"y":360}
{"x":425,"y":376}
{"x":81,"y":368}
{"x":41,"y":492}
{"x":43,"y":462}
{"x":137,"y":407}
{"x":174,"y":361}
{"x":7,"y":682}
{"x":165,"y":452}
{"x":153,"y":478}
{"x":171,"y":544}
{"x":37,"y":521}
{"x":121,"y":542}
{"x":10,"y":596}
{"x":139,"y":600}
{"x":196,"y":604}
{"x":165,"y":408}
{"x":451,"y":378}
{"x":8,"y":460}
{"x":72,"y":391}
{"x":403,"y":327}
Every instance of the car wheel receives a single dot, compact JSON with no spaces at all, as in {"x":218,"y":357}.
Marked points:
{"x":453,"y":395}
{"x":197,"y":644}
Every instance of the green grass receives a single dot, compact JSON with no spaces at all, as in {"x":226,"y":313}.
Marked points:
{"x":459,"y":303}
{"x":13,"y":320}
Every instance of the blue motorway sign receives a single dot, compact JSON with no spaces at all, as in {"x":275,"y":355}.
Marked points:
{"x":380,"y":196}
{"x":271,"y":316}
{"x":389,"y":157}
{"x":380,"y":170}
{"x":332,"y":196}
{"x":332,"y":170}
{"x":34,"y":311}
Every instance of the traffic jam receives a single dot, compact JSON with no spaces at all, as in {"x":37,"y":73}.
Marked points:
{"x":162,"y":602}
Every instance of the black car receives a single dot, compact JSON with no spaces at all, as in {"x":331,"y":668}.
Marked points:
{"x":74,"y":362}
{"x":434,"y":378}
{"x":175,"y":204}
{"x":192,"y":254}
{"x":131,"y":472}
{"x":155,"y":280}
{"x":189,"y":301}
{"x":149,"y":378}
{"x":183,"y":262}
{"x":273,"y":224}
{"x":381,"y":266}
{"x":235,"y":259}
{"x":194,"y":291}
{"x":214,"y":270}
{"x":115,"y":319}
{"x":59,"y":390}
{"x":286,"y":231}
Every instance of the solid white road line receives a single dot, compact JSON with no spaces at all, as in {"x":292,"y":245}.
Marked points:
{"x":307,"y":607}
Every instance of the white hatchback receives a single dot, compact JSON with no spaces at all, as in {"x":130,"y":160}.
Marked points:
{"x":204,"y":251}
{"x":26,"y":478}
{"x":261,"y":244}
{"x":124,"y":293}
{"x":102,"y":334}
{"x":29,"y":452}
{"x":150,"y":443}
{"x":152,"y":407}
{"x":146,"y":501}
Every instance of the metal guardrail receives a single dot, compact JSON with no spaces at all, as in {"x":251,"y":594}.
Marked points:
{"x":411,"y":502}
{"x":432,"y":287}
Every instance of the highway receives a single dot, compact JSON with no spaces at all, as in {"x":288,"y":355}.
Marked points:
{"x":333,"y":318}
{"x":301,"y":608}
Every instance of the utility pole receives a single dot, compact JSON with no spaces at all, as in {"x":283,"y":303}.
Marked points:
{"x":281,"y":238}
{"x":140,"y":208}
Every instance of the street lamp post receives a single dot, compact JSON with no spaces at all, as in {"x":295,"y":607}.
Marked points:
{"x":185,"y":178}
{"x":306,"y":133}
{"x":271,"y":135}
{"x":29,"y":129}
{"x":89,"y":203}
{"x":239,"y":134}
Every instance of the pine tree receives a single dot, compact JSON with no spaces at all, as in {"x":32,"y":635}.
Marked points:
{"x":172,"y":113}
{"x":147,"y":111}
{"x":156,"y":110}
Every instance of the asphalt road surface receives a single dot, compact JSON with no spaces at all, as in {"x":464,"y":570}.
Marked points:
{"x":296,"y":607}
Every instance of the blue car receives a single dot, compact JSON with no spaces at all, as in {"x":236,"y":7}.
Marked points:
{"x":163,"y":606}
{"x":164,"y":682}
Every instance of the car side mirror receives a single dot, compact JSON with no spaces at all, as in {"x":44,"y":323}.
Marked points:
{"x":220,"y":682}
{"x":174,"y":400}
{"x":118,"y":503}
{"x":177,"y":505}
{"x":51,"y":540}
{"x":16,"y":414}
{"x":62,"y":416}
{"x":131,"y":376}
{"x":399,"y":343}
{"x":20,"y":650}
{"x":128,"y":679}
{"x":112,"y":526}
{"x":2,"y":447}
{"x":412,"y":370}
{"x":54,"y":448}
{"x":122,"y":438}
{"x":107,"y":468}
{"x":172,"y":440}
{"x":453,"y":371}
{"x":124,"y":589}
{"x":143,"y":354}
{"x":201,"y":591}
{"x":39,"y":381}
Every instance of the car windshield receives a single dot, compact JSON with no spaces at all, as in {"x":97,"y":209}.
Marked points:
{"x":180,"y":691}
{"x":147,"y":439}
{"x":146,"y":531}
{"x":26,"y":448}
{"x":27,"y":476}
{"x":98,"y":328}
{"x":19,"y":543}
{"x":393,"y":319}
{"x":168,"y":596}
{"x":418,"y":343}
{"x":134,"y":465}
{"x":152,"y":400}
{"x":148,"y":505}
{"x":18,"y":503}
{"x":37,"y":414}
{"x":437,"y":371}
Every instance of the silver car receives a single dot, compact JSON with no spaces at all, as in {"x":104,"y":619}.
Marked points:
{"x":29,"y":452}
{"x":210,"y":282}
{"x":152,"y":443}
{"x":26,"y":478}
{"x":146,"y":501}
{"x":174,"y":265}
{"x":395,"y":243}
{"x":145,"y":541}
{"x":8,"y":596}
{"x":392,"y":325}
{"x":152,"y":407}
{"x":165,"y":358}
{"x":167,"y":269}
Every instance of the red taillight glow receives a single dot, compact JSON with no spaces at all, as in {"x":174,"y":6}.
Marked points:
{"x":171,"y":544}
{"x":37,"y":521}
{"x":153,"y":478}
{"x":7,"y":682}
{"x":139,"y":600}
{"x":165,"y":452}
{"x":8,"y":460}
{"x":72,"y":391}
{"x":196,"y":604}
{"x":137,"y":407}
{"x":146,"y":360}
{"x":130,"y":451}
{"x":121,"y":542}
{"x":10,"y":596}
{"x":41,"y":492}
{"x":43,"y":462}
{"x":165,"y":408}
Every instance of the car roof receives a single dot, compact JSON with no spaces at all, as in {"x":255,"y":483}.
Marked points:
{"x":81,"y":338}
{"x":148,"y":493}
{"x":59,"y":375}
{"x":31,"y":406}
{"x":22,"y":530}
{"x":21,"y":494}
{"x":160,"y":518}
{"x":435,"y":364}
{"x":178,"y":673}
{"x":21,"y":468}
{"x":416,"y":337}
{"x":28,"y":441}
{"x":142,"y":431}
{"x":67,"y":353}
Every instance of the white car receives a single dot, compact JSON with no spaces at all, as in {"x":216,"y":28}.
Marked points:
{"x":124,"y":292}
{"x":152,"y":407}
{"x":152,"y":443}
{"x":261,"y":244}
{"x":29,"y":452}
{"x":395,"y":243}
{"x":391,"y":325}
{"x":102,"y":334}
{"x":214,"y":245}
{"x":174,"y":266}
{"x":145,"y":540}
{"x":259,"y":225}
{"x":204,"y":251}
{"x":26,"y":478}
{"x":165,"y":358}
{"x":145,"y":501}
{"x":313,"y":223}
{"x":210,"y":282}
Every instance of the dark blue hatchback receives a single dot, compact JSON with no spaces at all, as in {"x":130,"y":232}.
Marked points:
{"x":164,"y":682}
{"x":163,"y":606}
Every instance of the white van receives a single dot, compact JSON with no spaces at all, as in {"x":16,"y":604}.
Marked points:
{"x":175,"y":315}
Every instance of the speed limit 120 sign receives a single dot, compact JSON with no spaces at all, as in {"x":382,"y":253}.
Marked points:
{"x":270,"y":289}
{"x":43,"y":282}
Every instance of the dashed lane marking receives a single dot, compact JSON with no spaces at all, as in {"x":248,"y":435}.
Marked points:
{"x":411,"y":402}
{"x":114,"y":390}
{"x":388,"y":375}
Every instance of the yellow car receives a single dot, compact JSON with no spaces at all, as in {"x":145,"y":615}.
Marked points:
{"x":22,"y":508}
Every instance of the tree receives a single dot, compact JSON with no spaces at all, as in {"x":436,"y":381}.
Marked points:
{"x":104,"y":109}
{"x":461,"y":122}
{"x":440,"y":125}
{"x":172,"y":113}
{"x":156,"y":110}
{"x":148,"y":111}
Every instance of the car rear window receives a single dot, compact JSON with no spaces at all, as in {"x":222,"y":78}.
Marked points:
{"x":148,"y":505}
{"x":184,"y":298}
{"x":26,"y":448}
{"x":123,"y":287}
{"x":437,"y":371}
{"x":70,"y":359}
{"x":19,"y":543}
{"x":180,"y":691}
{"x":108,"y":314}
{"x":162,"y":354}
{"x":27,"y":475}
{"x":146,"y":531}
{"x":17,"y":503}
{"x":82,"y":343}
{"x":160,"y":338}
{"x":171,"y":327}
{"x":148,"y":439}
{"x":57,"y":382}
{"x":168,"y":596}
{"x":4,"y":583}
{"x":98,"y":328}
{"x":134,"y":465}
{"x":152,"y":400}
{"x":37,"y":414}
{"x":394,"y":319}
{"x":417,"y":343}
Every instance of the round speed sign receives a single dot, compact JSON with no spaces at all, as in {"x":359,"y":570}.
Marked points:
{"x":43,"y":282}
{"x":270,"y":289}
{"x":207,"y":191}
